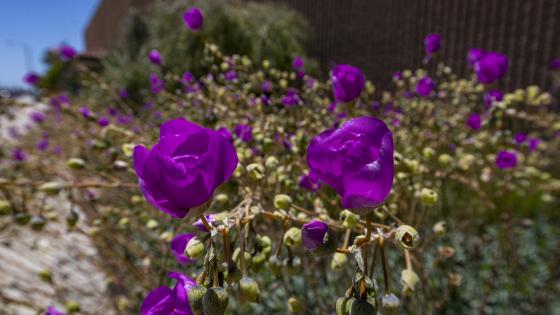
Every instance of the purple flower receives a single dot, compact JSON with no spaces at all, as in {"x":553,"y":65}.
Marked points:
{"x":226,"y":134}
{"x":347,"y":82}
{"x":112,"y":111}
{"x":167,"y":301}
{"x":123,"y":94}
{"x":200,"y":226}
{"x":155,"y":57}
{"x":474,"y":121}
{"x":425,"y":86}
{"x":298,"y":63}
{"x":156,"y":84}
{"x":31,"y":78}
{"x":67,"y":52}
{"x":490,"y":67}
{"x":85,"y":112}
{"x":397,"y":76}
{"x":103,"y":121}
{"x":555,"y":64}
{"x":506,"y":159}
{"x":520,"y":138}
{"x":178,"y":245}
{"x":53,"y":311}
{"x":42,"y":144}
{"x":187,"y":78}
{"x":19,"y":155}
{"x":432,"y":43}
{"x":492,"y":96}
{"x":231,"y":75}
{"x":474,"y":55}
{"x":291,"y":98}
{"x":310,"y":182}
{"x":124,"y":119}
{"x":534,"y":144}
{"x":184,"y":168}
{"x":313,"y":234}
{"x":266,"y":87}
{"x":37,"y":117}
{"x":193,"y":18}
{"x":244,"y":132}
{"x":356,"y":160}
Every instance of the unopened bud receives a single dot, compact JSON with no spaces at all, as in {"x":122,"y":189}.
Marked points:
{"x":256,"y":171}
{"x":152,"y":224}
{"x":196,"y":295}
{"x":292,"y":237}
{"x":428,"y":153}
{"x":51,"y":188}
{"x":407,"y":236}
{"x":282,"y":201}
{"x":72,"y":218}
{"x":351,"y":220}
{"x":194,"y":249}
{"x":215,"y":301}
{"x":38,"y":222}
{"x":338,"y":260}
{"x":445,"y":159}
{"x":128,"y":149}
{"x":45,"y":276}
{"x":271,"y":163}
{"x":249,"y":290}
{"x":5,"y":207}
{"x":428,"y":196}
{"x":366,"y":306}
{"x":72,"y":307}
{"x":440,"y":228}
{"x":75,"y":163}
{"x":390,"y":304}
{"x":409,"y":280}
{"x":275,"y":264}
{"x":295,"y":306}
{"x":222,"y":198}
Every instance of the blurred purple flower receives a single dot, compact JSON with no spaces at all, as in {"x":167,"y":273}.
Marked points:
{"x":291,"y":98}
{"x":53,"y":311}
{"x":31,"y":78}
{"x":244,"y":132}
{"x":474,"y":55}
{"x":42,"y":144}
{"x":555,"y":64}
{"x":492,"y":96}
{"x":432,"y":43}
{"x":266,"y":86}
{"x":178,"y":245}
{"x":534,"y":144}
{"x":313,"y":234}
{"x":187,"y":78}
{"x":85,"y":112}
{"x":112,"y":111}
{"x":184,"y":168}
{"x":310,"y":182}
{"x":520,"y":138}
{"x":474,"y":121}
{"x":397,"y":76}
{"x":425,"y":86}
{"x":156,"y":84}
{"x":297,"y":64}
{"x":103,"y":121}
{"x":155,"y":57}
{"x":124,"y":119}
{"x":37,"y":117}
{"x":491,"y":67}
{"x":193,"y":18}
{"x":166,"y":301}
{"x":347,"y":83}
{"x":67,"y":52}
{"x":123,"y":93}
{"x":356,"y":160}
{"x":506,"y":159}
{"x":18,"y":154}
{"x":230,"y":76}
{"x":200,"y":226}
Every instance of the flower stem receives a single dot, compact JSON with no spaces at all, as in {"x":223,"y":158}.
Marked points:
{"x":384,"y":264}
{"x":205,"y":222}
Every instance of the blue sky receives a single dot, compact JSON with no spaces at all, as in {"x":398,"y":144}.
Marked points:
{"x":40,"y":24}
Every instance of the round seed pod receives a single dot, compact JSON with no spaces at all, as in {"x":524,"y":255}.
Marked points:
{"x":295,"y":306}
{"x":249,"y":290}
{"x":390,"y":304}
{"x":5,"y":207}
{"x":363,"y":307}
{"x":282,"y":201}
{"x":215,"y":301}
{"x":407,"y":236}
{"x":292,"y":237}
{"x":196,"y":295}
{"x":428,"y":196}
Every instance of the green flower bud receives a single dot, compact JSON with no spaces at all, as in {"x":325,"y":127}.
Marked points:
{"x":196,"y":295}
{"x":222,"y":198}
{"x":51,"y":188}
{"x":72,"y":306}
{"x":128,"y":149}
{"x":195,"y":248}
{"x":409,"y":280}
{"x":363,"y":307}
{"x":445,"y":159}
{"x":256,"y":171}
{"x":5,"y":207}
{"x":428,"y":153}
{"x":249,"y":290}
{"x":136,"y":199}
{"x":152,"y":224}
{"x":343,"y":305}
{"x":428,"y":196}
{"x":271,"y":163}
{"x":38,"y":222}
{"x":411,"y":165}
{"x":236,"y":257}
{"x":215,"y":301}
{"x":282,"y":201}
{"x":266,"y":64}
{"x":351,"y":220}
{"x":275,"y":264}
{"x":295,"y":306}
{"x":123,"y":222}
{"x":390,"y":304}
{"x":75,"y":163}
{"x":292,"y":237}
{"x":293,"y":267}
{"x":440,"y":228}
{"x":338,"y":260}
{"x":258,"y":260}
{"x":45,"y":276}
{"x":407,"y":236}
{"x":455,"y":279}
{"x":22,"y":218}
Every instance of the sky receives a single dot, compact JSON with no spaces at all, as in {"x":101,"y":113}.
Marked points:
{"x":38,"y":25}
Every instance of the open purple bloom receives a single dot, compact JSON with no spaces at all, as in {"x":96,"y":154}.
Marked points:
{"x":491,"y":67}
{"x":167,"y":301}
{"x":506,"y":159}
{"x":19,"y":155}
{"x":534,"y":144}
{"x":184,"y":168}
{"x":347,"y":82}
{"x":193,"y":18}
{"x":67,"y":52}
{"x":156,"y":84}
{"x":432,"y":43}
{"x":231,"y":75}
{"x":200,"y":226}
{"x":53,"y":311}
{"x":225,"y":133}
{"x":356,"y":160}
{"x":31,"y":78}
{"x":85,"y":112}
{"x":310,"y":182}
{"x":298,"y":63}
{"x":425,"y":86}
{"x":520,"y":138}
{"x":155,"y":57}
{"x":492,"y":96}
{"x":291,"y":98}
{"x":37,"y":117}
{"x":474,"y":121}
{"x":103,"y":121}
{"x":42,"y":144}
{"x":474,"y":55}
{"x":244,"y":132}
{"x":313,"y":234}
{"x":187,"y":78}
{"x":178,"y":245}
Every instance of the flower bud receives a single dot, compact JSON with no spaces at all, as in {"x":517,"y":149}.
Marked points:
{"x":295,"y":306}
{"x":428,"y":153}
{"x":409,"y":279}
{"x":22,"y":218}
{"x":314,"y":234}
{"x":271,"y":163}
{"x":440,"y":228}
{"x":390,"y":304}
{"x":282,"y":201}
{"x":256,"y":171}
{"x":411,"y":165}
{"x":428,"y":196}
{"x":351,"y":220}
{"x":222,"y":198}
{"x":128,"y":149}
{"x":366,"y":306}
{"x":72,"y":218}
{"x":75,"y":163}
{"x":72,"y":307}
{"x":445,"y":159}
{"x":38,"y":222}
{"x":407,"y":236}
{"x":292,"y":237}
{"x":51,"y":188}
{"x":152,"y":224}
{"x":249,"y":290}
{"x":293,"y":266}
{"x":237,"y":258}
{"x":195,"y":248}
{"x":5,"y":207}
{"x":338,"y":260}
{"x":455,"y":279}
{"x":343,"y":305}
{"x":196,"y":295}
{"x":215,"y":301}
{"x":45,"y":276}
